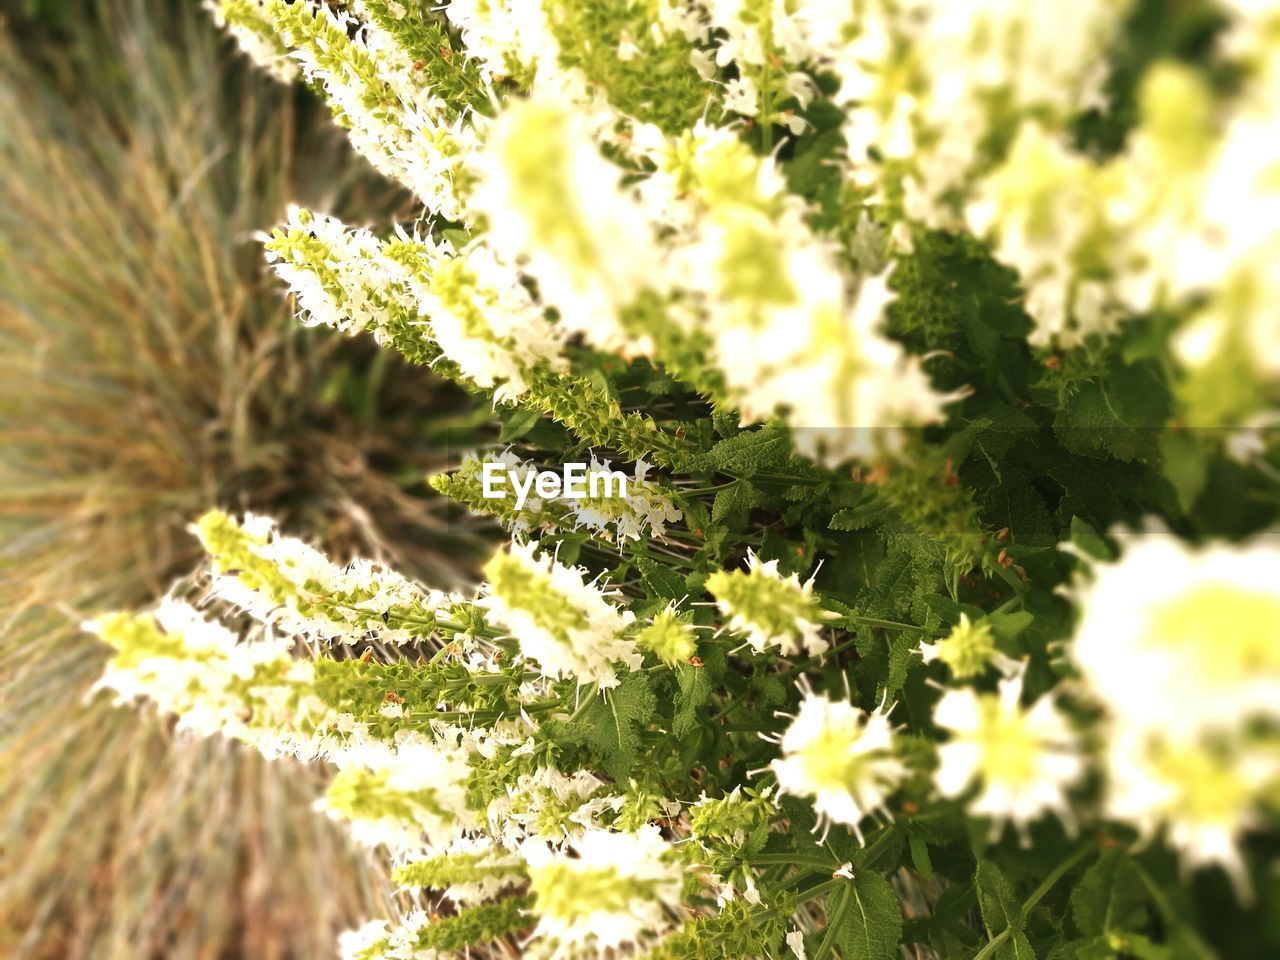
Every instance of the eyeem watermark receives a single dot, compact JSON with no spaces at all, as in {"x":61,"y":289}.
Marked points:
{"x":576,"y":481}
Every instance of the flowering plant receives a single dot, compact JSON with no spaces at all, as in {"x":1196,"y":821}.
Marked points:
{"x":941,"y":611}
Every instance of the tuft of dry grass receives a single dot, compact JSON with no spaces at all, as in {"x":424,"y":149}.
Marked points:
{"x":150,"y":369}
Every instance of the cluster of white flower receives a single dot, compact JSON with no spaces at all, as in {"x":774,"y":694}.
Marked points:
{"x":250,"y":689}
{"x":421,"y":297}
{"x":468,"y":870}
{"x":586,"y":239}
{"x":615,"y":889}
{"x":1047,"y":207}
{"x":1023,"y":759}
{"x":1238,"y":240}
{"x":394,"y":119}
{"x":928,"y":83}
{"x":505,"y":34}
{"x":565,"y":625}
{"x":770,"y":609}
{"x":646,"y":242}
{"x":337,"y":275}
{"x":605,"y":892}
{"x":616,"y":222}
{"x":197,"y":669}
{"x":1180,"y":647}
{"x":426,"y":935}
{"x":411,"y":781}
{"x":403,"y":794}
{"x":646,"y":508}
{"x":555,"y":205}
{"x":790,"y":331}
{"x":289,"y":584}
{"x":517,"y":41}
{"x":766,"y":41}
{"x":484,"y":320}
{"x":547,"y":805}
{"x":1184,"y":214}
{"x":253,"y":33}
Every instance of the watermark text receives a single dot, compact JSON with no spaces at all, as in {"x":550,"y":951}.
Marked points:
{"x":575,"y":481}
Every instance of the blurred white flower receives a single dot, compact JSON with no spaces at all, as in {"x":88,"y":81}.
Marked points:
{"x":255,"y":36}
{"x":742,"y":97}
{"x":401,"y":795}
{"x":485,"y":321}
{"x":1023,"y":759}
{"x":620,"y":890}
{"x":1202,"y":795}
{"x":1183,"y":640}
{"x":928,"y":82}
{"x":556,"y":206}
{"x":357,"y":944}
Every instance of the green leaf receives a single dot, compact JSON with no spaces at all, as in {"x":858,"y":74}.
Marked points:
{"x":569,"y":546}
{"x":859,"y":517}
{"x":1001,"y":911}
{"x":812,"y":168}
{"x":920,"y":854}
{"x":733,"y":502}
{"x":1013,"y":502}
{"x":837,"y":908}
{"x":1186,"y":464}
{"x":1117,"y":416}
{"x":792,"y":556}
{"x":996,"y":901}
{"x":519,"y":423}
{"x":694,"y":691}
{"x":609,"y":726}
{"x":750,"y":452}
{"x":1088,"y":541}
{"x":1009,"y":625}
{"x":902,"y":657}
{"x":1017,"y":947}
{"x":872,"y":923}
{"x":1108,"y":897}
{"x":661,"y":580}
{"x":956,"y":901}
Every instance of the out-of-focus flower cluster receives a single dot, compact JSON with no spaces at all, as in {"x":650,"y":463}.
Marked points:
{"x":1180,"y":647}
{"x":643,"y":221}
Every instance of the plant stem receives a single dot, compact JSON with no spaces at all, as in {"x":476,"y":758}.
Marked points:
{"x":584,"y":701}
{"x":823,"y":888}
{"x":797,"y":860}
{"x":889,"y":624}
{"x":835,"y":917}
{"x":868,"y":855}
{"x":1037,"y":895}
{"x":1169,"y":914}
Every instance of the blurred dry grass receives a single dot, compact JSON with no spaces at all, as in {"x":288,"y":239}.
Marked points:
{"x":150,"y":369}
